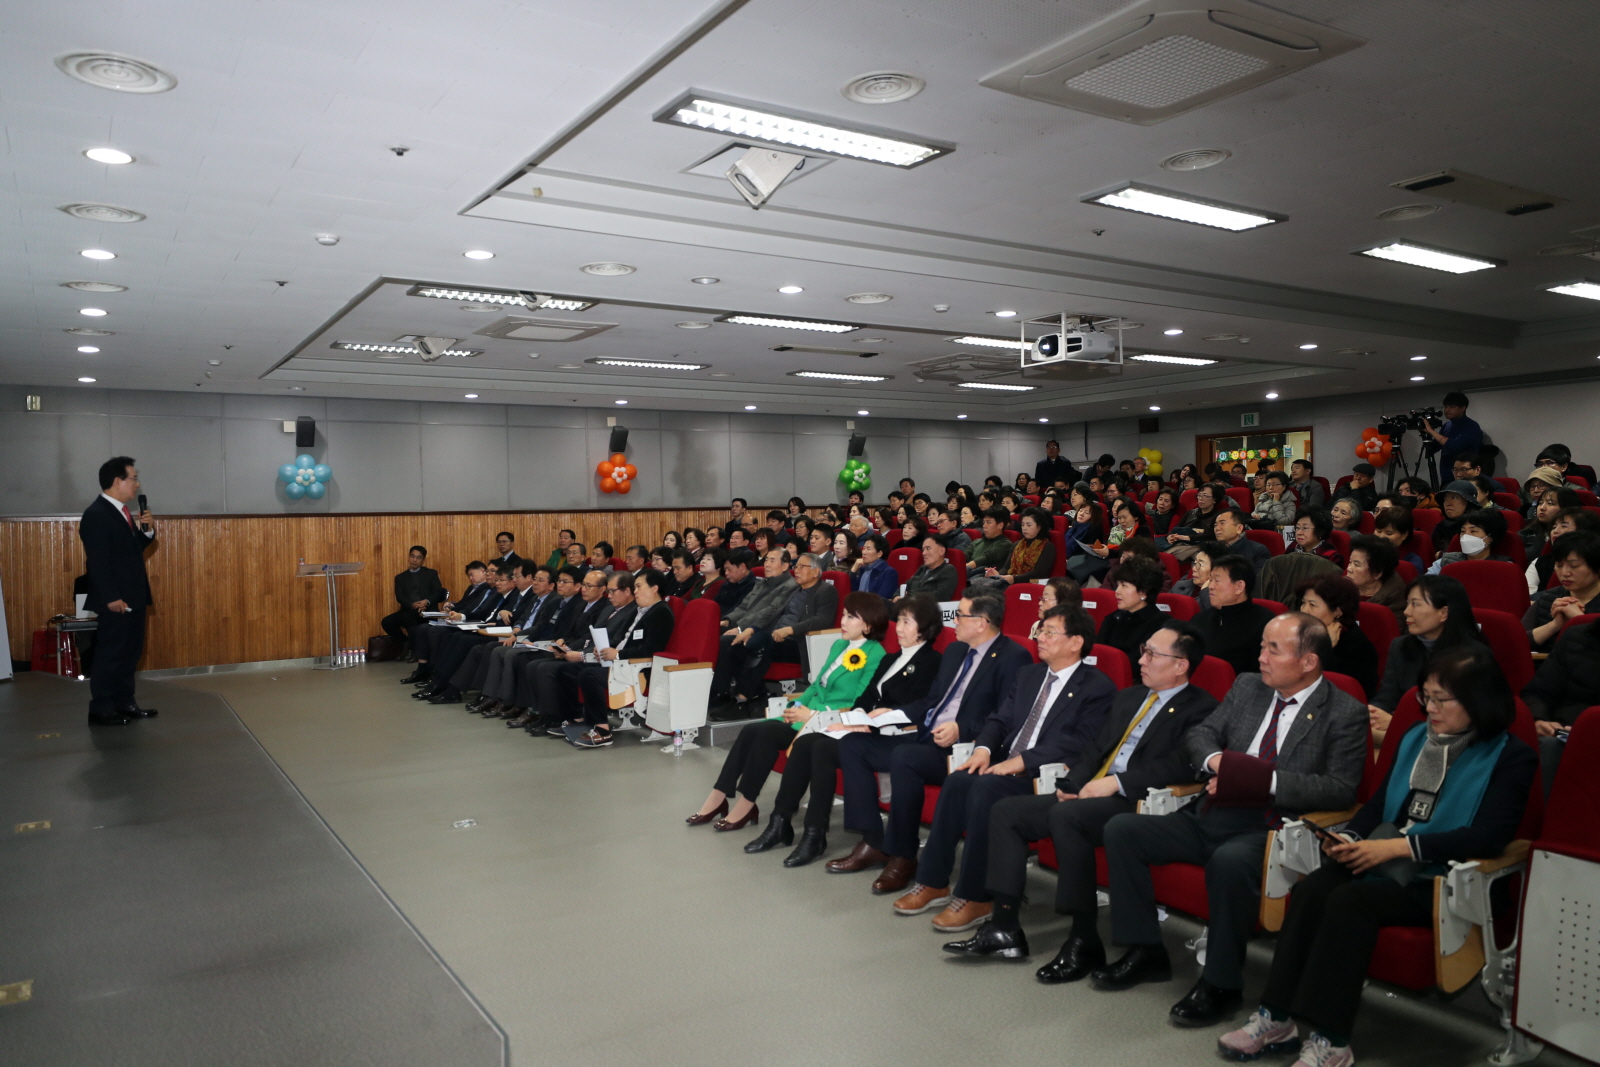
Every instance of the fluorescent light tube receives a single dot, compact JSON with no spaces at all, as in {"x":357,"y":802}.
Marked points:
{"x":818,"y":135}
{"x":479,"y":296}
{"x":1432,"y":258}
{"x":835,"y":377}
{"x":398,"y":350}
{"x":787,"y":324}
{"x":1182,"y":208}
{"x":1587,"y":290}
{"x":645,"y":364}
{"x":1182,"y":361}
{"x":998,"y":386}
{"x":990,"y":342}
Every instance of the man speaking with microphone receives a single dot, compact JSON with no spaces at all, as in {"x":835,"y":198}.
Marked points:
{"x":114,"y":539}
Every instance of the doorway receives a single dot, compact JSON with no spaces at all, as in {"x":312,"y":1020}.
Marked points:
{"x":1282,"y":446}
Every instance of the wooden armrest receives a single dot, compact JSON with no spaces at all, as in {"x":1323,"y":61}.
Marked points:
{"x":1516,"y":852}
{"x":690,"y":667}
{"x":1325,"y":819}
{"x":819,"y":633}
{"x":646,"y":660}
{"x":1538,"y":656}
{"x":1186,"y":790}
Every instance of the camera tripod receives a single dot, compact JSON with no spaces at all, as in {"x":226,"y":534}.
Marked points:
{"x":1423,"y":465}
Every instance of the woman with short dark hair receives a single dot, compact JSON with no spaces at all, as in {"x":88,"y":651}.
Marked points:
{"x":1312,"y":528}
{"x":1137,"y":582}
{"x":1335,"y":602}
{"x":1438,"y":618}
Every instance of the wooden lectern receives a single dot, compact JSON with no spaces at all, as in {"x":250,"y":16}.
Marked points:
{"x":330,"y":571}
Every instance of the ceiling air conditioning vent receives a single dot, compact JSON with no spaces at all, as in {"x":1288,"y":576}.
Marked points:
{"x":1460,"y":187}
{"x":864,"y":353}
{"x":1160,"y":58}
{"x":516,"y":328}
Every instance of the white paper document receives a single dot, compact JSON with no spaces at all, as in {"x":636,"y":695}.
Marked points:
{"x":602,"y":639}
{"x":862,"y":718}
{"x":499,"y":631}
{"x":434,"y":614}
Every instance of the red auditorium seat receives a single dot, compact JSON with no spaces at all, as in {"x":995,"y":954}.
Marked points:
{"x":1508,"y":641}
{"x":1422,"y":546}
{"x":1215,"y":676}
{"x":1327,"y":491}
{"x":905,"y":560}
{"x":1271,"y":538}
{"x":1492,"y":584}
{"x":1113,"y":663}
{"x":1058,"y":538}
{"x":1173,"y":567}
{"x":1242,"y":498}
{"x":1186,"y":501}
{"x":1099,"y":603}
{"x":1277,"y":608}
{"x":892,"y":537}
{"x":1423,"y":520}
{"x":1347,"y":683}
{"x":1509,"y":501}
{"x":1341,"y":541}
{"x":1367,"y":523}
{"x":1510,"y":486}
{"x":957,"y":559}
{"x":1406,"y":571}
{"x":1380,"y":627}
{"x":1022,"y":608}
{"x":1178,"y":605}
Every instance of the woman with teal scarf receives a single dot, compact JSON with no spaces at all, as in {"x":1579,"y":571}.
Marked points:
{"x":1456,"y":791}
{"x":840,"y":680}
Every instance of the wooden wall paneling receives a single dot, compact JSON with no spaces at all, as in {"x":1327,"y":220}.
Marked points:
{"x":224,"y":586}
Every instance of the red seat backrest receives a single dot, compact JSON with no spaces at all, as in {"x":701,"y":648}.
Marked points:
{"x":1341,"y":541}
{"x":946,"y":638}
{"x":958,"y":559}
{"x":1275,"y":606}
{"x":676,"y":604}
{"x":1271,"y":538}
{"x":1173,"y":567}
{"x":1578,"y":480}
{"x":1423,"y":520}
{"x":1113,"y":663}
{"x":618,"y":565}
{"x":1022,"y":608}
{"x":1013,"y":535}
{"x":1421,"y":546}
{"x":1492,"y":584}
{"x":1058,"y":523}
{"x":905,"y":560}
{"x":1509,"y":485}
{"x":1347,"y":683}
{"x":1242,"y":498}
{"x":1380,"y":627}
{"x":1579,"y":621}
{"x":1327,"y":491}
{"x":1186,"y":501}
{"x":1507,"y":500}
{"x":1406,"y":714}
{"x":1368,"y":522}
{"x":1178,"y":605}
{"x":1406,"y":571}
{"x":1215,"y":676}
{"x":1574,"y":809}
{"x":695,"y":632}
{"x":1031,"y":501}
{"x":892,"y":538}
{"x":1342,"y":482}
{"x":1099,"y":603}
{"x":841,"y":585}
{"x":1506,"y":638}
{"x":1059,"y":539}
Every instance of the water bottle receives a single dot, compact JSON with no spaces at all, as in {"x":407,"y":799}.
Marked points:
{"x":677,"y":744}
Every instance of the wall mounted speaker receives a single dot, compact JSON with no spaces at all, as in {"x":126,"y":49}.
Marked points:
{"x":858,"y":444}
{"x":619,"y":439}
{"x":305,"y":431}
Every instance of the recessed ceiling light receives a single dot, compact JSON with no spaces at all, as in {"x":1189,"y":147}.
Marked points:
{"x":88,"y":331}
{"x":834,"y":376}
{"x":647,"y":364}
{"x":1418,"y":378}
{"x":480,"y":309}
{"x":478,"y":253}
{"x":398,"y":350}
{"x":737,"y":120}
{"x":1586,"y":289}
{"x":114,"y":156}
{"x":1182,"y":361}
{"x":749,"y":407}
{"x":1172,"y":332}
{"x":1418,"y":359}
{"x":1044,"y":420}
{"x":997,"y":387}
{"x":868,"y":298}
{"x":533,"y":355}
{"x":863,"y":411}
{"x":788,"y":324}
{"x":606,"y":269}
{"x":619,"y":401}
{"x":1407,"y":212}
{"x":989,"y":342}
{"x":1307,"y":348}
{"x":722,"y":374}
{"x":1432,"y":258}
{"x":1005,"y":314}
{"x":692,"y":325}
{"x":1155,"y":407}
{"x":111,"y":70}
{"x":86,"y":380}
{"x":95,"y":287}
{"x":93,"y":313}
{"x":88,"y":349}
{"x":1147,"y":201}
{"x":103,"y":213}
{"x":705,"y":280}
{"x":1196,"y":159}
{"x":470,"y":396}
{"x":1220,"y":337}
{"x":1272,"y":396}
{"x":297,"y":388}
{"x":97,"y":253}
{"x":883,"y":87}
{"x":214,"y":362}
{"x":960,"y":416}
{"x":790,"y":290}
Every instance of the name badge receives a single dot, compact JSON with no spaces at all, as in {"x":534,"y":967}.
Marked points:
{"x":638,"y":635}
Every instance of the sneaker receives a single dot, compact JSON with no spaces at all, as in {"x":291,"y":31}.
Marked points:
{"x":1319,"y":1053}
{"x":921,"y":898}
{"x":557,"y":728}
{"x":1261,"y":1036}
{"x":594,"y":739}
{"x":656,"y":735}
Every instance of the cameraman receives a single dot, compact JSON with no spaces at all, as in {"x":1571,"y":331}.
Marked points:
{"x":1456,"y":436}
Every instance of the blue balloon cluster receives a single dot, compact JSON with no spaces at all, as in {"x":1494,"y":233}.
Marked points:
{"x":305,"y":477}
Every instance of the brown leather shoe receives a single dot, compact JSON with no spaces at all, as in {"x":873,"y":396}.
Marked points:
{"x":861,"y":857}
{"x":896,"y":875}
{"x":961,"y":915}
{"x":922,"y":898}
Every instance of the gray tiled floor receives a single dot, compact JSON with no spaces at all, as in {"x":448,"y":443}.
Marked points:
{"x":598,"y":929}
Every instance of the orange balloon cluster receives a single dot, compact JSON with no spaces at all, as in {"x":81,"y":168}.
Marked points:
{"x":1375,"y":448}
{"x":616,"y":474}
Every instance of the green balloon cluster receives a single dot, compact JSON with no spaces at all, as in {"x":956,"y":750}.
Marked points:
{"x":857,"y":474}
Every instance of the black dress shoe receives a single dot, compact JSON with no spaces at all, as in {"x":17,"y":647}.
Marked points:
{"x":1073,"y":963}
{"x":779,"y":831}
{"x":115,"y":718}
{"x":1206,"y":1005}
{"x":1141,"y":963}
{"x":418,"y":675}
{"x":140,"y":713}
{"x":448,"y":695}
{"x":990,"y":940}
{"x":478,"y":704}
{"x":813,"y":843}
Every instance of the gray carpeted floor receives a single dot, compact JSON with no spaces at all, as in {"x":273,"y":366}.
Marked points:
{"x":186,"y":907}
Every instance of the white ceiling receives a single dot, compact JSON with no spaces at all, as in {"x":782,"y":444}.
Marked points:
{"x":283,"y":121}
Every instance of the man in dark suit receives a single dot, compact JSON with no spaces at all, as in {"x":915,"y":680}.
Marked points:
{"x":531,"y":588}
{"x":416,"y":589}
{"x":114,"y":540}
{"x":479,"y":594}
{"x":1140,"y":747}
{"x":648,"y":634}
{"x":494,"y":675}
{"x":978,"y":668}
{"x":1283,"y":742}
{"x":1231,"y":627}
{"x":430,"y":653}
{"x":542,"y":687}
{"x":513,"y":691}
{"x":1051,"y":714}
{"x":505,"y":543}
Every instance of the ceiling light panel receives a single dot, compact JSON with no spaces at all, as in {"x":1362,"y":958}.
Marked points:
{"x":788,"y":324}
{"x":1181,"y":361}
{"x":1586,"y":289}
{"x":1432,"y":258}
{"x":833,"y":376}
{"x":990,"y":342}
{"x":398,"y":350}
{"x":999,"y":387}
{"x":816,"y":134}
{"x":1148,"y":201}
{"x":646,"y":364}
{"x":481,"y":296}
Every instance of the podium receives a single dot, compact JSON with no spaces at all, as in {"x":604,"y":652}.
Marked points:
{"x":330,"y":571}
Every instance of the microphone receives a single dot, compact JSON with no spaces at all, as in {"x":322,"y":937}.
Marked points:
{"x":144,"y":506}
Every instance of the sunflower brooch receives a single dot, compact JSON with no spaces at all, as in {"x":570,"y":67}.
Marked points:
{"x":853,"y":660}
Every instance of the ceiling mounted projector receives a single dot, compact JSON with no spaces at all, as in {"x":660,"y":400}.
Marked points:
{"x":758,"y":173}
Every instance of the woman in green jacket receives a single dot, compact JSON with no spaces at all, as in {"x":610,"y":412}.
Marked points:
{"x":841,"y":679}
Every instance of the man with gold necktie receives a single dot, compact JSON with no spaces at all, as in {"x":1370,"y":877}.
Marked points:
{"x":1139,"y":747}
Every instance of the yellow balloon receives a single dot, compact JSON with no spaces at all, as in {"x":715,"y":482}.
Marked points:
{"x":1153,"y":468}
{"x":1153,"y":455}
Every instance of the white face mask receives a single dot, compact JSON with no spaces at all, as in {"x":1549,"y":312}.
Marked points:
{"x":1472,"y":544}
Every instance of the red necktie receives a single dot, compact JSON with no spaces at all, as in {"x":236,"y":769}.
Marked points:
{"x":128,"y":515}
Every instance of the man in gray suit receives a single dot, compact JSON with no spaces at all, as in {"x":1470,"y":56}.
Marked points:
{"x":754,"y":615}
{"x":1282,"y":743}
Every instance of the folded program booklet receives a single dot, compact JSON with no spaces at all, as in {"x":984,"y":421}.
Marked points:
{"x":499,"y":631}
{"x":862,"y":718}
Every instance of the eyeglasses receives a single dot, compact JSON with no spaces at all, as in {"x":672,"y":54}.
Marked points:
{"x":959,"y":615}
{"x":1435,"y":700}
{"x":1146,"y":650}
{"x":1044,"y":633}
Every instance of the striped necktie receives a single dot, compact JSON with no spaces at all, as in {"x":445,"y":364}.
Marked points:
{"x":955,"y":687}
{"x":1269,"y":740}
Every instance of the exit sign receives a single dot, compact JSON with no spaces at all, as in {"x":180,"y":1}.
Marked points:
{"x":1249,"y":420}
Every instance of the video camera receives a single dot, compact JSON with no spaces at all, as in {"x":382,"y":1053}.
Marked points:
{"x":1394,"y":427}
